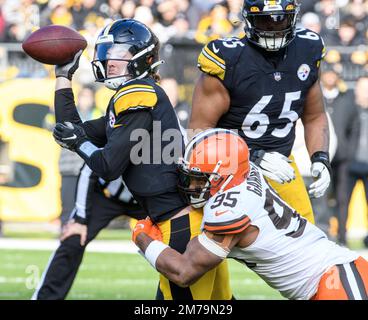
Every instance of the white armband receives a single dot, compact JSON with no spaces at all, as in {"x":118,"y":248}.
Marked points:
{"x":87,"y":148}
{"x":212,"y":246}
{"x":153,"y":251}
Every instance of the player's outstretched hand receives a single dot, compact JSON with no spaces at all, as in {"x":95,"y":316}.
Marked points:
{"x":67,"y":70}
{"x":274,"y":165}
{"x":74,"y":228}
{"x":69,"y":135}
{"x":146,"y":226}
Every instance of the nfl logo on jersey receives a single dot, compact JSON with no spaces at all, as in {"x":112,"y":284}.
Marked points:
{"x":303,"y":72}
{"x":277,"y":76}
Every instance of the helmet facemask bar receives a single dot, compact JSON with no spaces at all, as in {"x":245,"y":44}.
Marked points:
{"x":108,"y":51}
{"x":197,"y":196}
{"x":271,"y":30}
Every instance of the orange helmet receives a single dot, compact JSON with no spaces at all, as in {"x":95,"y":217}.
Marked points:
{"x":218,"y":158}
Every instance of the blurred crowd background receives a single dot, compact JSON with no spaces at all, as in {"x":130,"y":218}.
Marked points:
{"x":183,"y":26}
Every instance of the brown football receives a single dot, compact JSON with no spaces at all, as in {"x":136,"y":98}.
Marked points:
{"x":54,"y":44}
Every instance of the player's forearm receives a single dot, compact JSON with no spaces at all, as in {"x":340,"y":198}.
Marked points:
{"x":316,"y":132}
{"x":103,"y":163}
{"x":171,"y":264}
{"x":65,"y":109}
{"x":111,"y":162}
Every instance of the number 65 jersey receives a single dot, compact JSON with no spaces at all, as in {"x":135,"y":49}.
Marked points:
{"x":289,"y":253}
{"x":266,"y":98}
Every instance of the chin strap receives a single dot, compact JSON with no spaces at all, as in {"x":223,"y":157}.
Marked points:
{"x":154,"y":65}
{"x":114,"y":83}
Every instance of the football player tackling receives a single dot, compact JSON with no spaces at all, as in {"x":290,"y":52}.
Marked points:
{"x":245,"y":219}
{"x":261,"y":85}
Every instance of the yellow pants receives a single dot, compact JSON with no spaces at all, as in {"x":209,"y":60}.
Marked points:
{"x":214,"y":285}
{"x":295,"y":194}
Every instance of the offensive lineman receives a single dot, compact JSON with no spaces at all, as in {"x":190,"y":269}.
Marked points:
{"x":261,"y":85}
{"x":245,"y":219}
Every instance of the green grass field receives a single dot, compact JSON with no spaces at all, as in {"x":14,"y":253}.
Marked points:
{"x":109,"y":276}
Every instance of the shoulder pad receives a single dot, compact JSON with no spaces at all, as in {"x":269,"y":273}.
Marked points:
{"x":223,"y":219}
{"x":315,"y":42}
{"x":134,"y":95}
{"x":211,"y":59}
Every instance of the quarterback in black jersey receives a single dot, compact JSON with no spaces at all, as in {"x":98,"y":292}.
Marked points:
{"x":126,"y":59}
{"x":261,"y":85}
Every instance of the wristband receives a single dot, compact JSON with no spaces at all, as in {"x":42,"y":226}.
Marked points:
{"x":323,"y":157}
{"x":153,"y":250}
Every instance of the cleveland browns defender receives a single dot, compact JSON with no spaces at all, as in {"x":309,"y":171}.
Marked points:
{"x":246,"y":220}
{"x":126,"y":59}
{"x":261,"y":85}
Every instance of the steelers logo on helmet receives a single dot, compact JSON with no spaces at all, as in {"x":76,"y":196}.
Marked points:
{"x":125,"y":50}
{"x":273,"y":25}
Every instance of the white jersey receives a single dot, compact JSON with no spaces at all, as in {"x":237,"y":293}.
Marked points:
{"x":290,"y":253}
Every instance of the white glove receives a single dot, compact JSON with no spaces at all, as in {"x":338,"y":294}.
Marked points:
{"x":318,"y":188}
{"x":67,"y":70}
{"x":276,"y":166}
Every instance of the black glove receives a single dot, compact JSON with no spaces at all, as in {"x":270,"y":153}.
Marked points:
{"x":67,"y":70}
{"x":69,"y":136}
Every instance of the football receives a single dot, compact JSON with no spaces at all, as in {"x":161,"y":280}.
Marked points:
{"x":54,"y":44}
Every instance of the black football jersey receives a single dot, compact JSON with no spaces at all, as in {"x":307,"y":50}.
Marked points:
{"x":153,"y":183}
{"x":266,"y":98}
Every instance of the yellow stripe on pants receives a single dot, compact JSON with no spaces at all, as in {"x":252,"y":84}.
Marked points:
{"x":215,"y":284}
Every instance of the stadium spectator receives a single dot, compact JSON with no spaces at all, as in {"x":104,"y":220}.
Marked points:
{"x":181,"y":108}
{"x":167,"y":11}
{"x":311,"y":20}
{"x":234,"y":9}
{"x":214,"y":25}
{"x":343,"y":114}
{"x":112,"y":9}
{"x":128,"y":9}
{"x":328,"y":12}
{"x":358,"y":11}
{"x":192,"y":13}
{"x":347,"y":35}
{"x":57,"y":12}
{"x":181,"y":26}
{"x":205,"y":5}
{"x":81,"y":9}
{"x":144,"y":14}
{"x":358,"y":169}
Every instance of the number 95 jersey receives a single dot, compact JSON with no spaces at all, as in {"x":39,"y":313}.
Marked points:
{"x":289,"y":253}
{"x":266,"y":98}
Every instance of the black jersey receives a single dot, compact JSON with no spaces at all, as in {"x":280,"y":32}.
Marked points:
{"x":266,"y":97}
{"x":134,"y":140}
{"x":154,"y":182}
